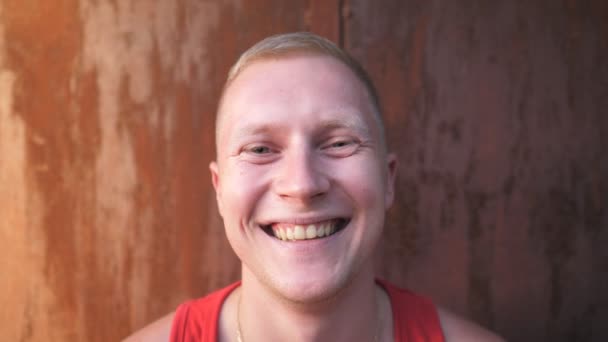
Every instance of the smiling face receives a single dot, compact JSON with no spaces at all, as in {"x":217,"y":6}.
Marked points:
{"x":302,"y":178}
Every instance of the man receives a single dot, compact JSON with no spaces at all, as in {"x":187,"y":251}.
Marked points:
{"x":303,"y":180}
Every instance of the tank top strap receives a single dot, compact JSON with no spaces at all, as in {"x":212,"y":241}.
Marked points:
{"x":415,"y":317}
{"x":197,"y":320}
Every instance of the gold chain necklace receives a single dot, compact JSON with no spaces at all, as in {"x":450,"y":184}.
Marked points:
{"x":239,"y":335}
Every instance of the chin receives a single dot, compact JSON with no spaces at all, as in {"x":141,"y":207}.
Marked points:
{"x":307,"y":289}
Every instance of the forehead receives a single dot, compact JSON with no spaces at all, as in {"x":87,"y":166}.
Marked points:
{"x":318,"y":87}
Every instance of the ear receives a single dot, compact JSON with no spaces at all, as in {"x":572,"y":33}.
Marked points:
{"x":215,"y":180}
{"x":391,"y":163}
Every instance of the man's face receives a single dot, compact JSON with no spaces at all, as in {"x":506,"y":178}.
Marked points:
{"x":302,"y":179}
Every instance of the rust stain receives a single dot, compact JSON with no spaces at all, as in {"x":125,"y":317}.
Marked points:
{"x":107,"y":44}
{"x":91,"y":88}
{"x":140,"y":52}
{"x":480,"y":259}
{"x":13,"y":209}
{"x":416,"y":66}
{"x":40,"y":51}
{"x":24,"y":289}
{"x":323,"y":18}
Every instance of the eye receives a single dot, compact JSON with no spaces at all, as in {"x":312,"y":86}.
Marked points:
{"x":341,"y":147}
{"x":259,"y":149}
{"x":340,"y":143}
{"x":259,"y":153}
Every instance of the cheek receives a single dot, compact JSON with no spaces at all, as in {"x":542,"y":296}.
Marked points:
{"x":238,"y":202}
{"x":241,"y":190}
{"x":364,"y":182}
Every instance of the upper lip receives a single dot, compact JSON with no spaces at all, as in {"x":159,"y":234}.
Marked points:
{"x":301,"y":220}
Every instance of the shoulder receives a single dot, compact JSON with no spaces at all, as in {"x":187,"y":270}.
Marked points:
{"x":456,"y":328}
{"x":157,"y":331}
{"x":193,"y":318}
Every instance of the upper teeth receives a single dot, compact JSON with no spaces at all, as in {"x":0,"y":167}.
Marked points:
{"x":304,"y":232}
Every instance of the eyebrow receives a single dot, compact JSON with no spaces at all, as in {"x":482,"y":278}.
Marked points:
{"x":352,"y":123}
{"x":256,"y":129}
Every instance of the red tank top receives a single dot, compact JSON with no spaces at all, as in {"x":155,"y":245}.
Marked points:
{"x":415,"y":317}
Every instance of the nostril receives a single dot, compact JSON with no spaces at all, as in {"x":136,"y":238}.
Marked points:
{"x":300,"y":187}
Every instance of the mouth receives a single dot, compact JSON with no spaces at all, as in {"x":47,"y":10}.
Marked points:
{"x":299,"y":232}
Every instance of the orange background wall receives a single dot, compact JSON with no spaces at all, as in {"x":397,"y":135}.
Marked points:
{"x":496,"y":110}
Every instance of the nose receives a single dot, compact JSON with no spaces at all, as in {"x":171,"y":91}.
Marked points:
{"x":300,"y":177}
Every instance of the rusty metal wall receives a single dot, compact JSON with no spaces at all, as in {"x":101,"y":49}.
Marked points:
{"x":107,"y":215}
{"x":497,"y":110}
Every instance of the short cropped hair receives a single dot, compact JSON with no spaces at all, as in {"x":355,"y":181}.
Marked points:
{"x":296,"y":43}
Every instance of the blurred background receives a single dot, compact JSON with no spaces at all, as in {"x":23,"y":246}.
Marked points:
{"x":496,"y":109}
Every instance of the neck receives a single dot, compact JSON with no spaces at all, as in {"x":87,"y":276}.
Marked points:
{"x":348,"y":315}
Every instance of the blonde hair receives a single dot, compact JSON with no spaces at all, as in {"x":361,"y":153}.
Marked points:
{"x":289,"y":44}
